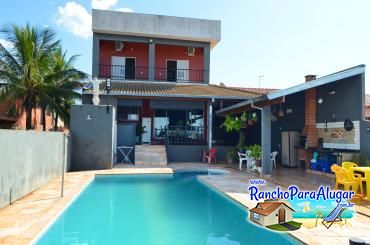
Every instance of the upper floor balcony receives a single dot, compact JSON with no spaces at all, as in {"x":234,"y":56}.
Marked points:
{"x":168,"y":74}
{"x":133,"y":61}
{"x":133,"y":46}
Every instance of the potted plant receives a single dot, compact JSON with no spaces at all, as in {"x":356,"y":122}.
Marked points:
{"x":238,"y":124}
{"x":256,"y":153}
{"x":139,"y":131}
{"x":230,"y":154}
{"x":252,"y":119}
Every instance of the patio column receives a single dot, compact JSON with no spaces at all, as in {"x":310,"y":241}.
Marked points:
{"x":95,"y":58}
{"x":266,"y":139}
{"x":206,"y":63}
{"x":151,"y":60}
{"x":210,"y":123}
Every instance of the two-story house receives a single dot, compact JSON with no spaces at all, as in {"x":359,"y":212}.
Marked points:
{"x":159,"y":71}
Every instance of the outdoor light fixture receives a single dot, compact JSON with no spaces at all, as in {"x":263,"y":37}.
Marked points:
{"x":108,"y":88}
{"x":88,"y":117}
{"x":281,"y":111}
{"x":320,"y":100}
{"x":332,"y":92}
{"x":368,"y":129}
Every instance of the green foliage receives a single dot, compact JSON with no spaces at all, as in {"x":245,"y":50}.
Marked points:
{"x":230,"y":154}
{"x":140,"y":130}
{"x":37,"y":72}
{"x":361,"y":160}
{"x":255,"y":151}
{"x":239,"y":124}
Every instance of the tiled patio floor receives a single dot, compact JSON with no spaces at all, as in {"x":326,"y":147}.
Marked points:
{"x":23,"y":221}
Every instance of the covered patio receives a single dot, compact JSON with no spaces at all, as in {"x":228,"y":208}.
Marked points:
{"x":321,"y":119}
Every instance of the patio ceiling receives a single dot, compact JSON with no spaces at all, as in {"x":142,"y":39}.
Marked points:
{"x":276,"y":97}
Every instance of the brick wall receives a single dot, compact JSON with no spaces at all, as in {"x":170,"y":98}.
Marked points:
{"x":310,"y":115}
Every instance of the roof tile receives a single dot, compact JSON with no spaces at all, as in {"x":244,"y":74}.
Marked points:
{"x":173,"y":89}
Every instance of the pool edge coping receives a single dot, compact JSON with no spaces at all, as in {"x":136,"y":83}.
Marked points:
{"x":91,"y":179}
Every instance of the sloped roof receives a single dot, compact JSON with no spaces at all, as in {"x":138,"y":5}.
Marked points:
{"x":257,"y":90}
{"x":266,"y":208}
{"x":166,"y":89}
{"x":353,"y":71}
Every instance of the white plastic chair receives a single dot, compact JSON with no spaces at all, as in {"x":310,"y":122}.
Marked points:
{"x":242,"y":157}
{"x":245,"y":157}
{"x":273,"y":159}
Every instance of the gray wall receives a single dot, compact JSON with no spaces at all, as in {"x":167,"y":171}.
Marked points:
{"x":28,"y":160}
{"x":347,"y":102}
{"x":290,"y":122}
{"x":137,"y":24}
{"x":93,"y":140}
{"x":365,"y":139}
{"x":192,"y":153}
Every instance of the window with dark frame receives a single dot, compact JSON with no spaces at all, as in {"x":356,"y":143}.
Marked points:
{"x":128,"y":113}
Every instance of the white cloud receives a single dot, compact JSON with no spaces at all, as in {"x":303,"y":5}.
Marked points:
{"x":6,"y":44}
{"x":129,"y":10}
{"x":75,"y":19}
{"x":103,"y":4}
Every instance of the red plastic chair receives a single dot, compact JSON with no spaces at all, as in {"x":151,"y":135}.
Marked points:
{"x":210,"y":155}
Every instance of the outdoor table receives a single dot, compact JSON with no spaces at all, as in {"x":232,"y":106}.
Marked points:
{"x":125,"y":151}
{"x":366,"y":172}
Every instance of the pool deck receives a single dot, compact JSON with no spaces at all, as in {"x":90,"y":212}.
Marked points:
{"x":22,"y":222}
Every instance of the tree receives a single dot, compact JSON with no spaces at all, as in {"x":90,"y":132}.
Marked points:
{"x":23,"y":64}
{"x":239,"y":124}
{"x":62,"y":81}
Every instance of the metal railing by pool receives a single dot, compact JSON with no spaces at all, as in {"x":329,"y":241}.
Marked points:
{"x":181,"y":134}
{"x":142,"y":73}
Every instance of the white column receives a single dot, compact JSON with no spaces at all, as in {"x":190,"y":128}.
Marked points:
{"x":210,"y":123}
{"x":151,"y":60}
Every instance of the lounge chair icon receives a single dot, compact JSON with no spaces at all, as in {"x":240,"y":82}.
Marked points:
{"x":334,"y":216}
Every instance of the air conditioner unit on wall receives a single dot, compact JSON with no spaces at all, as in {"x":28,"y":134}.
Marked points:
{"x":191,"y":51}
{"x":118,"y":46}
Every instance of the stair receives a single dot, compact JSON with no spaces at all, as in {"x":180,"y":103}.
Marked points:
{"x":150,"y":155}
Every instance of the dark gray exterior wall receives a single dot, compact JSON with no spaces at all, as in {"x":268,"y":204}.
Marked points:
{"x":347,"y":102}
{"x":365,"y":139}
{"x":93,"y":140}
{"x":97,"y":37}
{"x":290,"y":122}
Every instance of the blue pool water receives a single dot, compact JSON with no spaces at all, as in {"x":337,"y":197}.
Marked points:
{"x":156,"y":209}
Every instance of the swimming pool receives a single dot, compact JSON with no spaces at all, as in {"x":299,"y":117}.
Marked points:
{"x":156,"y":209}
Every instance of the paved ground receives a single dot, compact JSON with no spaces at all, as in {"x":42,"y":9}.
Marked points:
{"x":22,"y":222}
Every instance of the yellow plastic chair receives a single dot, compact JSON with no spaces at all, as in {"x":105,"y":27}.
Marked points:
{"x":346,"y":178}
{"x":349,"y":165}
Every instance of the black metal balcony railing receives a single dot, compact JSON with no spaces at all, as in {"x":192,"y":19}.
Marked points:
{"x":124,"y":72}
{"x":178,"y":75}
{"x":142,"y":73}
{"x":181,"y":134}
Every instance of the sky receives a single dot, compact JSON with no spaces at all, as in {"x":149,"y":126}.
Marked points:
{"x":280,"y":40}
